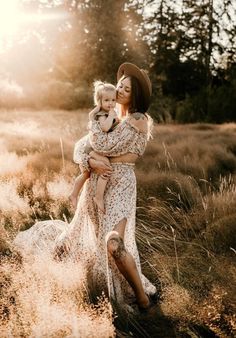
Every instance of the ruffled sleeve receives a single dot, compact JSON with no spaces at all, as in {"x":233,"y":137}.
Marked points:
{"x":80,"y":156}
{"x":118,"y":142}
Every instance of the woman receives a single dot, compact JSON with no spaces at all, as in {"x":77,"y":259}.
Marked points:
{"x":106,"y":242}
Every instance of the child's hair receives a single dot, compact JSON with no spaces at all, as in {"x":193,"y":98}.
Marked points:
{"x":99,"y":88}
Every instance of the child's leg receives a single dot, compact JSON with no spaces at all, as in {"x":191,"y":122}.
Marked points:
{"x":79,"y":182}
{"x":101,"y":183}
{"x":99,"y":196}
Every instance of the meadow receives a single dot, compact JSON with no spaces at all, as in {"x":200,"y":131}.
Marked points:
{"x":186,"y":219}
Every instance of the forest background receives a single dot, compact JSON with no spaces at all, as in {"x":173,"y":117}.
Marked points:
{"x":61,"y":47}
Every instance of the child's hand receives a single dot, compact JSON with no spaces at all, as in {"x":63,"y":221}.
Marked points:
{"x":112,"y":113}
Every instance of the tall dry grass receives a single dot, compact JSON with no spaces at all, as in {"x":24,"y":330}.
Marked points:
{"x":185,"y":230}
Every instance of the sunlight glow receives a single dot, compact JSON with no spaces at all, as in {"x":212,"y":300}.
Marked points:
{"x":9,"y":17}
{"x":13,"y":18}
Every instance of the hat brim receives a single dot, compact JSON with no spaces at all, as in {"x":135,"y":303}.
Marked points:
{"x":129,"y":69}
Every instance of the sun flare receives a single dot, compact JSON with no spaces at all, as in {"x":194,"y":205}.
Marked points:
{"x":10,"y":16}
{"x":16,"y":22}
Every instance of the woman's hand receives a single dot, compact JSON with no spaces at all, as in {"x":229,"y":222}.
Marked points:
{"x":100,"y":167}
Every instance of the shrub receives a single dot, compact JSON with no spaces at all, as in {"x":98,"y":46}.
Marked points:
{"x":193,"y":108}
{"x":179,"y":190}
{"x":52,"y":94}
{"x":220,"y":236}
{"x":63,"y":95}
{"x":161,"y":109}
{"x":11,"y":93}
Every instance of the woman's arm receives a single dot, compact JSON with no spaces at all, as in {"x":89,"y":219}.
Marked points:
{"x":100,"y":167}
{"x":118,"y":141}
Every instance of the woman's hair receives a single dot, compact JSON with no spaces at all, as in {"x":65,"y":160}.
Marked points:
{"x":137,"y":103}
{"x":99,"y":88}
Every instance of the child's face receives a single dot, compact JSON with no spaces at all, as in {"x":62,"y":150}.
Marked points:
{"x":108,"y":100}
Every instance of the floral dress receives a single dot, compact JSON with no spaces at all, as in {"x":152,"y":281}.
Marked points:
{"x":86,"y":235}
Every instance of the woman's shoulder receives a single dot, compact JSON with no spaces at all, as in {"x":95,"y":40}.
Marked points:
{"x":140,"y":121}
{"x":143,"y":123}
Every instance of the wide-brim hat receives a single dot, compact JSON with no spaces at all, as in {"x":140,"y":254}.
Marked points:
{"x":129,"y":69}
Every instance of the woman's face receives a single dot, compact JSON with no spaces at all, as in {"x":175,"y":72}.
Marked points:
{"x":124,"y":91}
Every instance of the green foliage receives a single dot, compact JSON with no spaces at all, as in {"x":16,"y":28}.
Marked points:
{"x":193,"y":108}
{"x":162,"y":108}
{"x":102,"y":36}
{"x":222,"y":103}
{"x":212,"y":104}
{"x":184,"y":67}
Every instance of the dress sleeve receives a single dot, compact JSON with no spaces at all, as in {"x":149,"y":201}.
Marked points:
{"x":116,"y":142}
{"x":80,"y":156}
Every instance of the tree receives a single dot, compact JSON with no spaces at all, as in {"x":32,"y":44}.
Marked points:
{"x":187,"y":48}
{"x":98,"y":36}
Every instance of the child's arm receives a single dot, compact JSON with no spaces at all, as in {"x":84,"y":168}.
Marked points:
{"x":107,"y":122}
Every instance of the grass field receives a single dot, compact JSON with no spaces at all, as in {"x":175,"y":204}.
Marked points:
{"x":186,"y":220}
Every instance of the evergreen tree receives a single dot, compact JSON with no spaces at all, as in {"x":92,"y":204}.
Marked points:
{"x":99,"y":36}
{"x":187,"y":50}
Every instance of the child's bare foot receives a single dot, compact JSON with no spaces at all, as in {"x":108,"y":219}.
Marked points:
{"x":73,"y":200}
{"x":100,"y":203}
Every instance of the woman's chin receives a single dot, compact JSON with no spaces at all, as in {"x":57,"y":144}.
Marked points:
{"x":122,"y":102}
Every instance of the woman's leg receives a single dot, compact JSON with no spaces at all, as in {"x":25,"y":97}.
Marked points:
{"x":125,"y":262}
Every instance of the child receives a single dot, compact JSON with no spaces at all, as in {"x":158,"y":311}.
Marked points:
{"x":105,"y":101}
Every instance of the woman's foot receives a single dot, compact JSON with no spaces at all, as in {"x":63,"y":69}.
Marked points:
{"x":148,"y":303}
{"x":143,"y":302}
{"x":100,"y":204}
